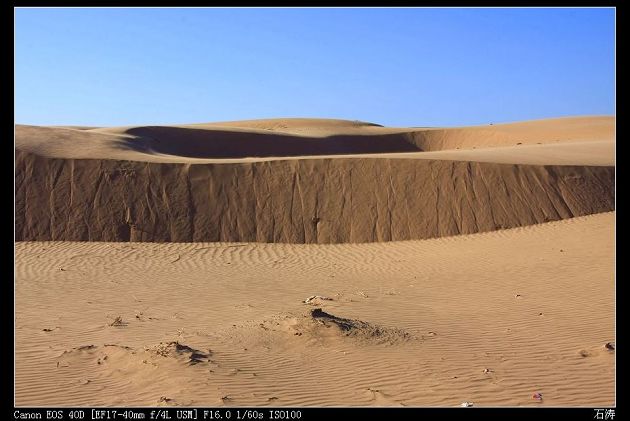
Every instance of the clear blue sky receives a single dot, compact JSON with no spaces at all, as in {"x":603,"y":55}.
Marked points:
{"x":396,"y":67}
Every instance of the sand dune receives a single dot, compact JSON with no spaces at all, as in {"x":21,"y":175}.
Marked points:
{"x":160,"y":286}
{"x":487,"y":318}
{"x":294,"y":137}
{"x":323,"y":181}
{"x":307,"y":201}
{"x":570,"y":129}
{"x":591,"y":153}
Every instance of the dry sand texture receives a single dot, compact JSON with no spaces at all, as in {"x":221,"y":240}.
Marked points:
{"x":69,"y":187}
{"x":212,"y":324}
{"x":205,"y":305}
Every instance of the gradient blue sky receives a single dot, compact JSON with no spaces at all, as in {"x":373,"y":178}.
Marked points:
{"x":396,"y":67}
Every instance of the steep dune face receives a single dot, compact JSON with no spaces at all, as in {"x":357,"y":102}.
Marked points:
{"x":294,"y":201}
{"x":285,"y":180}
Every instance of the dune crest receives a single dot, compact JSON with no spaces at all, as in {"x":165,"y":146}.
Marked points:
{"x":307,"y":180}
{"x":290,"y":138}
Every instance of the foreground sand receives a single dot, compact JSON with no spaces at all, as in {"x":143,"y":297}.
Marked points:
{"x":224,"y":324}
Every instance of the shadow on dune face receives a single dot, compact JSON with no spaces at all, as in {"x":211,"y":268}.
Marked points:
{"x":304,"y":201}
{"x":203,"y":143}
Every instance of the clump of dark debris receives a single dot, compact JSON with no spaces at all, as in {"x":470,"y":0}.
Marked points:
{"x":359,"y":328}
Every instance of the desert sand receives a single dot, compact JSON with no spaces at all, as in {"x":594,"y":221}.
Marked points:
{"x":164,"y":184}
{"x":170,"y":265}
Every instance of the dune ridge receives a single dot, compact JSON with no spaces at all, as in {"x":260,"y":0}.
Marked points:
{"x":289,"y":138}
{"x":295,"y":201}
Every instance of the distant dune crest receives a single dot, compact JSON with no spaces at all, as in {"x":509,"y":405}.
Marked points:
{"x":294,"y":138}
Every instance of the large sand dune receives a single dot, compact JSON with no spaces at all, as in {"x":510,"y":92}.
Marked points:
{"x":170,"y":183}
{"x":214,"y":315}
{"x":310,"y":201}
{"x":295,"y":138}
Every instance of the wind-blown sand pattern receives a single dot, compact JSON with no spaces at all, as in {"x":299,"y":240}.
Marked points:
{"x":182,"y":258}
{"x":533,"y":304}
